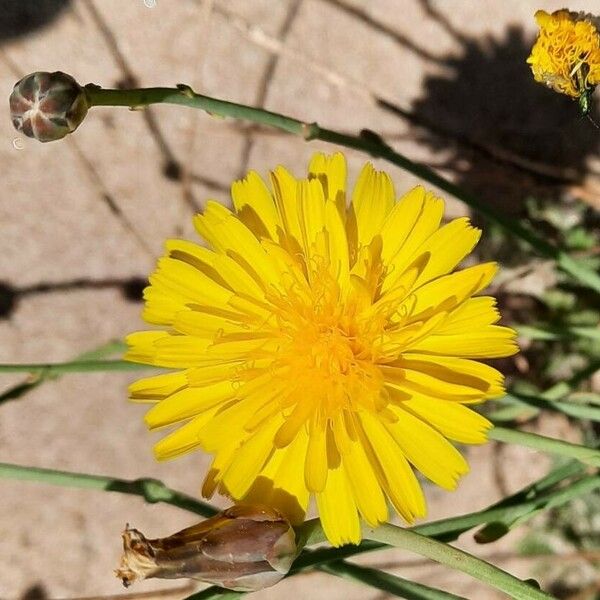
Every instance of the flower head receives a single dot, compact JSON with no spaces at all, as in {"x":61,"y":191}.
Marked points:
{"x":323,"y":349}
{"x":47,"y":106}
{"x":566,"y":55}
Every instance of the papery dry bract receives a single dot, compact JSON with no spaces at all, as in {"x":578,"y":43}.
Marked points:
{"x":244,"y":548}
{"x":323,"y":349}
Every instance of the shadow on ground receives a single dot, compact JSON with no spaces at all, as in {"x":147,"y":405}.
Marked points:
{"x":509,"y":137}
{"x":21,"y":17}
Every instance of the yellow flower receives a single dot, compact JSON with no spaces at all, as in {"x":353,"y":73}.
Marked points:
{"x":321,"y":349}
{"x":566,"y":55}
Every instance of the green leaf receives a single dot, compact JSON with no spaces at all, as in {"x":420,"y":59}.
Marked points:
{"x":588,"y":456}
{"x":76,"y":366}
{"x":23,"y":388}
{"x":392,"y":584}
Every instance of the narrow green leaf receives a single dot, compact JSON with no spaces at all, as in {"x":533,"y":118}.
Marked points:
{"x":21,"y":389}
{"x":76,"y":366}
{"x":548,"y":333}
{"x":152,"y":490}
{"x":588,"y":456}
{"x":456,"y":559}
{"x":392,"y":584}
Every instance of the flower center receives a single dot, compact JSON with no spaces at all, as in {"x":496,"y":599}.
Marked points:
{"x":328,"y":353}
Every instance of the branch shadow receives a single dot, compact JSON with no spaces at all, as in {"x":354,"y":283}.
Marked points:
{"x":131,"y":288}
{"x":520,"y":147}
{"x":535,"y":137}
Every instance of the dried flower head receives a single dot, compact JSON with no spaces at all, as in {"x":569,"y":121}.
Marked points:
{"x":244,"y":548}
{"x":566,"y":54}
{"x":323,"y":349}
{"x":47,"y":106}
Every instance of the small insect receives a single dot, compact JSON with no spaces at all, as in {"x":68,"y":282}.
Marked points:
{"x":579,"y":75}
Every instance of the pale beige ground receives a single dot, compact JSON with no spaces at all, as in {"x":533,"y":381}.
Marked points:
{"x":55,"y":226}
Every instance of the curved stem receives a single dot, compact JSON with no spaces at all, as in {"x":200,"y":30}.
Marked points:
{"x":151,"y":490}
{"x":455,"y":559}
{"x":367,"y":142}
{"x":588,"y":456}
{"x":528,"y":501}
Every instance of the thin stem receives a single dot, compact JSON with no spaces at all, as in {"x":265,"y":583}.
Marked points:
{"x":184,"y":96}
{"x":152,"y":490}
{"x":20,"y":389}
{"x":75,"y":366}
{"x":455,"y":559}
{"x":367,"y":142}
{"x":527,"y":501}
{"x":392,"y":584}
{"x":588,"y":456}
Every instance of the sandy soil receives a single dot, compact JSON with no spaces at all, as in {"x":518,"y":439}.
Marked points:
{"x":67,"y":259}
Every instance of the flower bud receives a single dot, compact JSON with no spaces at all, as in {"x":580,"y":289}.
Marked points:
{"x":244,"y":548}
{"x":47,"y":106}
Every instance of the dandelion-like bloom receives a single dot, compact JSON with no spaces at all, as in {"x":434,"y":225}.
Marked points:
{"x":566,"y":55}
{"x":322,"y":349}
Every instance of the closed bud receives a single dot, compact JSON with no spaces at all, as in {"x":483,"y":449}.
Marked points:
{"x":47,"y":106}
{"x":244,"y":548}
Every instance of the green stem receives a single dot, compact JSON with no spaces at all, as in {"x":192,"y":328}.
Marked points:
{"x":588,"y":456}
{"x":155,"y":491}
{"x":22,"y":388}
{"x":75,"y":366}
{"x":528,"y":501}
{"x":392,"y":584}
{"x":367,"y":142}
{"x":152,"y":490}
{"x":184,"y":96}
{"x":455,"y":559}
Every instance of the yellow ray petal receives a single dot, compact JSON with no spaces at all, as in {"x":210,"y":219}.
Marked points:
{"x":372,"y":200}
{"x":188,"y":403}
{"x":183,"y":440}
{"x":311,"y":205}
{"x":417,"y":382}
{"x":492,"y":341}
{"x":456,"y":371}
{"x":280,"y":484}
{"x":427,"y":223}
{"x":454,"y":421}
{"x":337,"y":244}
{"x":472,"y":314}
{"x":152,"y":389}
{"x":330,"y":171}
{"x":181,"y":281}
{"x":249,"y":459}
{"x":427,"y":450}
{"x":141,"y":346}
{"x":180,"y":351}
{"x":446,"y":248}
{"x":315,"y":466}
{"x":366,"y":490}
{"x":218,"y":267}
{"x":230,"y":421}
{"x":401,"y":485}
{"x":400,"y":221}
{"x":337,"y":509}
{"x":285,"y":191}
{"x":228,"y":235}
{"x":449,"y":291}
{"x":255,"y":206}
